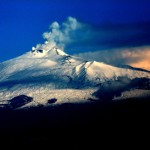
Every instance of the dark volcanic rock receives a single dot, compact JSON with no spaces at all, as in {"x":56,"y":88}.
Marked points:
{"x":19,"y":101}
{"x":53,"y":100}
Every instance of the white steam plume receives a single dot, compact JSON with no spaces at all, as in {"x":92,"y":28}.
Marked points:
{"x":59,"y":34}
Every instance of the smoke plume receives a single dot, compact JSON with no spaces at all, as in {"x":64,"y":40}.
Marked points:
{"x":60,"y":34}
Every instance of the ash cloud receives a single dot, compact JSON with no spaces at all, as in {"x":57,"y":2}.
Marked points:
{"x":61,"y":35}
{"x":75,"y":36}
{"x":71,"y":35}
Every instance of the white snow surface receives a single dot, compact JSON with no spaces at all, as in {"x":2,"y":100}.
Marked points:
{"x":46,"y":74}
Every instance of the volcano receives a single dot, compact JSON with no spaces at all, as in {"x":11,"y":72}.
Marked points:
{"x":53,"y":77}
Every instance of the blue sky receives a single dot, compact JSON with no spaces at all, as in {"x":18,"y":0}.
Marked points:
{"x":22,"y":23}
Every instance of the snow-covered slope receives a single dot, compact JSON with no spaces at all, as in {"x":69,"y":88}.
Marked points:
{"x":44,"y":74}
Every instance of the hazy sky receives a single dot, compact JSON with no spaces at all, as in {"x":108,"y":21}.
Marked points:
{"x":111,"y":23}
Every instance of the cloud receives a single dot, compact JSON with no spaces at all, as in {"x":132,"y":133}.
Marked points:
{"x":60,"y":34}
{"x":137,"y":57}
{"x":71,"y":35}
{"x":75,"y":36}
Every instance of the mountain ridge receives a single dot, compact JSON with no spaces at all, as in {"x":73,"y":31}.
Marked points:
{"x":54,"y":70}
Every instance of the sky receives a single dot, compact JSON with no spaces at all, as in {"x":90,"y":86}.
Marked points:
{"x":105,"y":24}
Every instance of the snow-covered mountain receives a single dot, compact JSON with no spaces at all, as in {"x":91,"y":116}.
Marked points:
{"x":46,"y":74}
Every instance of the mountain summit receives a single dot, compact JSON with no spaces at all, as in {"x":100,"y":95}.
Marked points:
{"x":53,"y":74}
